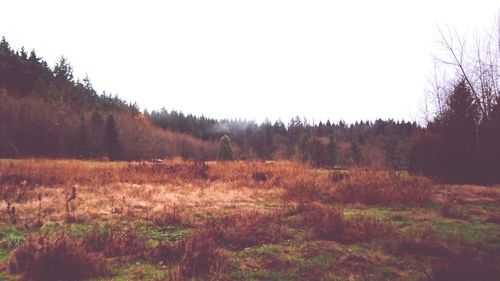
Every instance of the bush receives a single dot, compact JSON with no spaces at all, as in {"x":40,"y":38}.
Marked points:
{"x":304,"y":188}
{"x":383,"y":187}
{"x":200,"y":254}
{"x":453,"y":212}
{"x":330,"y":224}
{"x":465,"y":266}
{"x":197,"y":254}
{"x":427,"y":245}
{"x":113,"y":242}
{"x":225,"y":152}
{"x":249,"y":229}
{"x":41,"y":257}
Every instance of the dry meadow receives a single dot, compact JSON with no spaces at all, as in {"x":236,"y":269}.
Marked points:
{"x":182,"y":220}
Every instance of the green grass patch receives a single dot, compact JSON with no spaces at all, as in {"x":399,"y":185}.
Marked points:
{"x":11,"y":236}
{"x":4,"y":254}
{"x":263,"y":274}
{"x":485,"y":235}
{"x":4,"y":277}
{"x":139,"y":271}
{"x":163,"y":233}
{"x":381,"y":213}
{"x":79,"y":229}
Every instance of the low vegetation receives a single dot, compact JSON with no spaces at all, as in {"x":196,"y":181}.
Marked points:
{"x":236,"y":220}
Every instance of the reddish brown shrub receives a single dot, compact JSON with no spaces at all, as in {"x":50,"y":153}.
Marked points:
{"x":42,"y":257}
{"x":167,"y":253}
{"x":495,"y":218}
{"x":200,"y":254}
{"x":124,"y":244}
{"x":114,"y":242}
{"x":304,"y":188}
{"x":450,"y":211}
{"x":383,"y":187}
{"x":465,"y":265}
{"x":366,"y":228}
{"x":169,"y":216}
{"x":249,"y":229}
{"x":330,"y":224}
{"x":427,"y":245}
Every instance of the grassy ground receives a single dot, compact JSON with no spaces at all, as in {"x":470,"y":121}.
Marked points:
{"x":240,"y":221}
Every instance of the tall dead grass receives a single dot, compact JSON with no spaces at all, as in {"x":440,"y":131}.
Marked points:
{"x":55,"y":257}
{"x":383,"y":187}
{"x":330,"y":224}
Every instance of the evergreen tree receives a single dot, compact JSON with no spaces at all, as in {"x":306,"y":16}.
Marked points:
{"x":318,"y":153}
{"x":83,"y":139}
{"x":111,"y":143}
{"x":96,"y":134}
{"x":331,"y":152}
{"x":225,"y":152}
{"x":356,"y":153}
{"x":461,"y":134}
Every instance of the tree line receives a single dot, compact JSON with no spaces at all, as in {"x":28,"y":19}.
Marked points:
{"x":47,"y":112}
{"x":382,"y":143}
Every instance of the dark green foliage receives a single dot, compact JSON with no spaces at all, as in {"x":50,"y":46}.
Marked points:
{"x":459,"y":145}
{"x":111,"y":142}
{"x":83,"y":139}
{"x":331,"y":152}
{"x":295,"y":140}
{"x":7,"y":149}
{"x":225,"y":152}
{"x":29,"y":76}
{"x":356,"y":155}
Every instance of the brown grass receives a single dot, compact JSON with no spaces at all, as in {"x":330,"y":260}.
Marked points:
{"x":43,"y":257}
{"x":251,"y":228}
{"x":330,"y":224}
{"x":451,"y":211}
{"x":465,"y":265}
{"x":383,"y":187}
{"x":195,"y":255}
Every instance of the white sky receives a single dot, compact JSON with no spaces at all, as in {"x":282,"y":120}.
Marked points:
{"x":351,"y":60}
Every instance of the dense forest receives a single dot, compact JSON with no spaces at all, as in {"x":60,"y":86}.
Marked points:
{"x":46,"y":112}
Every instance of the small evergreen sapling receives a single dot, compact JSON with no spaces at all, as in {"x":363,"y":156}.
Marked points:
{"x":225,"y":152}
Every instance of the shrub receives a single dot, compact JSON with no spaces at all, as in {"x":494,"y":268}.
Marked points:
{"x":330,"y":224}
{"x":225,"y":152}
{"x":200,"y":254}
{"x":466,"y":266}
{"x":365,"y":228}
{"x":167,"y":253}
{"x":324,"y":223}
{"x":450,"y":211}
{"x":495,"y":218}
{"x":427,"y":245}
{"x":113,"y":242}
{"x":304,"y":188}
{"x":41,"y":257}
{"x":383,"y":187}
{"x":249,"y":229}
{"x":168,"y":216}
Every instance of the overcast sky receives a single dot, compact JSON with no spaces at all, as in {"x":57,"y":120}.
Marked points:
{"x":350,"y":60}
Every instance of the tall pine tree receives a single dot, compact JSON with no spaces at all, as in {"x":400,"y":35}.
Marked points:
{"x":110,"y":140}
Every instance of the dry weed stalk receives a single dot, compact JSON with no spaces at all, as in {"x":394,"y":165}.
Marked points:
{"x":70,"y":214}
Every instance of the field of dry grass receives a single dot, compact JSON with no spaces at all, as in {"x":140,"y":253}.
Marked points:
{"x":177,"y":220}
